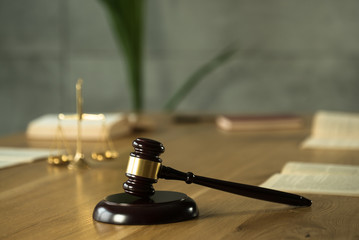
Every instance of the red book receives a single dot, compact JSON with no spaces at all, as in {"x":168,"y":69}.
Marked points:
{"x":258,"y":122}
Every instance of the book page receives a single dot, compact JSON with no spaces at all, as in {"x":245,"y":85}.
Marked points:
{"x":322,"y":178}
{"x":334,"y":130}
{"x":319,"y":184}
{"x":331,"y":143}
{"x":319,"y":168}
{"x":14,"y":156}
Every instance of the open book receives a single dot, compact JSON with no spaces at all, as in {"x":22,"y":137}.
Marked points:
{"x":334,"y":130}
{"x":10,"y":156}
{"x":50,"y":127}
{"x":319,"y":178}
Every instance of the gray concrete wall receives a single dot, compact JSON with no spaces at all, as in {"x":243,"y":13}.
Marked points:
{"x":294,"y":56}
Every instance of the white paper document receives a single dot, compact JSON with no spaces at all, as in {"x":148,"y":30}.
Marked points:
{"x":316,"y":178}
{"x":10,"y":156}
{"x":334,"y":130}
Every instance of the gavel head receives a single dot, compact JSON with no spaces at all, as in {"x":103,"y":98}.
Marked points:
{"x":143,"y":167}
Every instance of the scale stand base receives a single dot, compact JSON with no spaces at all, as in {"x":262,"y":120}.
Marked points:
{"x":162,"y":207}
{"x":79,"y":162}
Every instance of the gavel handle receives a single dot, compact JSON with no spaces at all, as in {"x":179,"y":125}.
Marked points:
{"x":265,"y":194}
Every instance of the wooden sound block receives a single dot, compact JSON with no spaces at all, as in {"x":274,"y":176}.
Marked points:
{"x":162,"y":207}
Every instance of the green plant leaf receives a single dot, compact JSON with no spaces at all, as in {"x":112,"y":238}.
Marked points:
{"x":199,"y":75}
{"x":126,"y":18}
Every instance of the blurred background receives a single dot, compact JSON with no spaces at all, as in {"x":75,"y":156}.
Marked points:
{"x":292,"y":57}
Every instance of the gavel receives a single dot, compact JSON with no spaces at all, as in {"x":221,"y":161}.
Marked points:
{"x":140,"y":204}
{"x":145,"y":168}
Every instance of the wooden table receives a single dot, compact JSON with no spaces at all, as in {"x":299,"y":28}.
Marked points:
{"x":39,"y":201}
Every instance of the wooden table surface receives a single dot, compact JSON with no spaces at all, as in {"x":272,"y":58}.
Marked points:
{"x":39,"y":201}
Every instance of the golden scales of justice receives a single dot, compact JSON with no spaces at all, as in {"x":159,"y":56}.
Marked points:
{"x":78,"y":160}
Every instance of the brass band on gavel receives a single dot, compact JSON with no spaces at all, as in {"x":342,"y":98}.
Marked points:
{"x":143,"y":168}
